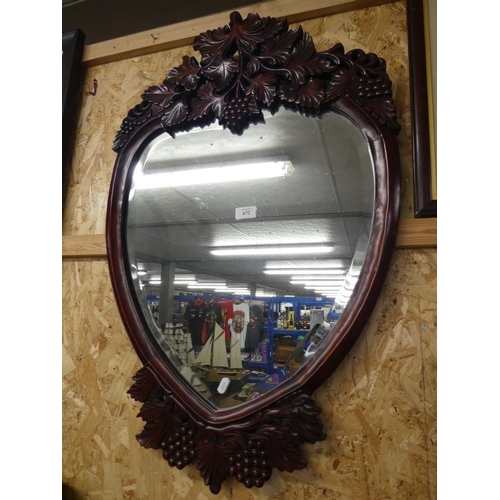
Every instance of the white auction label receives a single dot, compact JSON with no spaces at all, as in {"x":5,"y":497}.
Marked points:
{"x":245,"y":213}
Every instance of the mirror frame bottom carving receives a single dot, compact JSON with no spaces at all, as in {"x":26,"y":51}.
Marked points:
{"x":280,"y":68}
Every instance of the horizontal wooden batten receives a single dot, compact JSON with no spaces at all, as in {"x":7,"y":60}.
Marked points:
{"x":412,"y":233}
{"x":181,"y":34}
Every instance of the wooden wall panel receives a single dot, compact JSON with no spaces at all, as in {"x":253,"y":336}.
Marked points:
{"x":379,"y":408}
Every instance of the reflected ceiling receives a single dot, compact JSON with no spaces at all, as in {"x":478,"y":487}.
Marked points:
{"x":327,"y":199}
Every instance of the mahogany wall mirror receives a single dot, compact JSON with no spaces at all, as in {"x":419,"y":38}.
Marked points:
{"x":251,"y":221}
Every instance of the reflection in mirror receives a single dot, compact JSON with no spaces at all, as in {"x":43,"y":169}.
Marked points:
{"x":245,"y":251}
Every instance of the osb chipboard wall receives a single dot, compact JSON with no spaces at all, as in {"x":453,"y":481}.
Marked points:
{"x":379,"y":408}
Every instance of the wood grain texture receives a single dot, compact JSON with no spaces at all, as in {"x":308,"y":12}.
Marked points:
{"x":182,"y":34}
{"x":379,"y":407}
{"x":412,"y":233}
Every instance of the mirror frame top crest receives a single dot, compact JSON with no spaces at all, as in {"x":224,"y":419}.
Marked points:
{"x":246,"y":66}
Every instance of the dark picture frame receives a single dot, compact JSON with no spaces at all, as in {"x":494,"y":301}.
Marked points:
{"x":72,"y":52}
{"x":425,"y":204}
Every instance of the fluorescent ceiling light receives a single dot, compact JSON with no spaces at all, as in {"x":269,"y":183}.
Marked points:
{"x":322,"y":272}
{"x":185,"y":283}
{"x":155,"y":282}
{"x":304,"y":266}
{"x":205,"y":285}
{"x":267,"y":295}
{"x":331,"y":287}
{"x":141,"y":272}
{"x":185,"y":277}
{"x":227,"y":173}
{"x":319,"y":281}
{"x":280,"y":250}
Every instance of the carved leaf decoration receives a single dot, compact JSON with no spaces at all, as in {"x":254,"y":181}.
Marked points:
{"x":301,"y":413}
{"x":277,"y":431}
{"x":207,"y":102}
{"x":254,"y":30}
{"x":158,"y":417}
{"x":161,"y":95}
{"x":263,"y":87}
{"x":337,"y":49}
{"x":174,"y":114}
{"x":282,"y":447}
{"x":213,"y":43}
{"x":369,"y":63}
{"x":145,"y":385}
{"x":252,"y":66}
{"x":272,"y":62}
{"x":221,"y":72}
{"x":305,"y":61}
{"x":213,"y":457}
{"x":310,"y":95}
{"x":136,"y":116}
{"x":186,"y":75}
{"x":340,"y":82}
{"x":383,"y":109}
{"x":278,"y":50}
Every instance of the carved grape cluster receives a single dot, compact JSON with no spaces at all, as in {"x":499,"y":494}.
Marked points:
{"x":248,"y":453}
{"x":236,"y":113}
{"x":178,"y":450}
{"x":251,"y":467}
{"x":373,"y":87}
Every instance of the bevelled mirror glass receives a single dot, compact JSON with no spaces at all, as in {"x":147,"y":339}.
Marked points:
{"x":245,"y":252}
{"x":251,"y":221}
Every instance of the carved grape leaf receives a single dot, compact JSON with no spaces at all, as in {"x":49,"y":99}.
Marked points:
{"x":263,"y":87}
{"x":271,"y":61}
{"x":207,"y":102}
{"x":212,"y":43}
{"x":174,"y":114}
{"x":213,"y":452}
{"x":136,"y":116}
{"x":301,"y":413}
{"x":282,"y":447}
{"x":310,"y":95}
{"x":145,"y":385}
{"x":340,"y":82}
{"x":278,"y":50}
{"x":253,"y":65}
{"x":186,"y":75}
{"x":161,"y":95}
{"x":254,"y":30}
{"x":305,"y":61}
{"x":158,"y":417}
{"x":277,"y":431}
{"x":221,"y":72}
{"x":383,"y":109}
{"x":368,"y":63}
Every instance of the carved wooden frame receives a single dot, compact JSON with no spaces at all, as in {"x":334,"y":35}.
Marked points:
{"x":246,"y":66}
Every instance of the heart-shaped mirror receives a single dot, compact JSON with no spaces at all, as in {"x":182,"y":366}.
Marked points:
{"x":251,"y":220}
